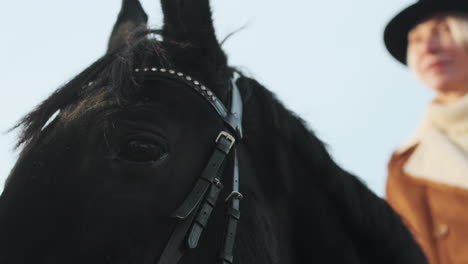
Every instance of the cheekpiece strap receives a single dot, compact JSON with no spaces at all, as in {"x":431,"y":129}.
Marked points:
{"x":195,"y":211}
{"x":223,"y":147}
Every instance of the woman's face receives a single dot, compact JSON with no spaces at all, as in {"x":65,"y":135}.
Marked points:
{"x":435,"y":57}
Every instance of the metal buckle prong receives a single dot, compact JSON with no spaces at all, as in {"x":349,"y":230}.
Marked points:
{"x":218,"y":183}
{"x":228,"y":136}
{"x":235,"y":195}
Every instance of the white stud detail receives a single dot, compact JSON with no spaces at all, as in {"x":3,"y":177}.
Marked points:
{"x":180,"y":74}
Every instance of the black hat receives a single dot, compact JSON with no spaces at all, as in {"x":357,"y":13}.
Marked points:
{"x":396,"y":32}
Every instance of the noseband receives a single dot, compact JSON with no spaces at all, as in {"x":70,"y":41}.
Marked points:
{"x":195,"y":211}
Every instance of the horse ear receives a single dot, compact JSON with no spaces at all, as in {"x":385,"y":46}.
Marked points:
{"x":131,"y":16}
{"x":190,"y":21}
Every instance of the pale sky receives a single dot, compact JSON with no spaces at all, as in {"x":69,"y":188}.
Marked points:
{"x":324,"y":59}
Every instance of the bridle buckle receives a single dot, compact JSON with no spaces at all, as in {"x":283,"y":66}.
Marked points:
{"x":218,"y":183}
{"x":236,"y":195}
{"x":228,"y":137}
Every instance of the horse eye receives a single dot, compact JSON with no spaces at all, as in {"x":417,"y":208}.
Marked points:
{"x":141,"y":151}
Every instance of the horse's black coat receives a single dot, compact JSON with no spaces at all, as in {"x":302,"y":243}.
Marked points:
{"x":98,"y":184}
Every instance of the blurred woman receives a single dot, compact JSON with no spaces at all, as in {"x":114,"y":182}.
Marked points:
{"x":428,"y":174}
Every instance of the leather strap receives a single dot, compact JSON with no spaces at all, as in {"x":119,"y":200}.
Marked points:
{"x":191,"y":225}
{"x":230,"y":118}
{"x":203,"y":216}
{"x":174,"y":250}
{"x":208,"y":175}
{"x":176,"y":247}
{"x":233,"y":213}
{"x":235,"y":116}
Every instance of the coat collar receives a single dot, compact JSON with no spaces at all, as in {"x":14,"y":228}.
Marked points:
{"x":441,"y":154}
{"x":437,"y":159}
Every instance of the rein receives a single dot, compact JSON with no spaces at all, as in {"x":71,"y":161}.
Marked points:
{"x":194,"y":213}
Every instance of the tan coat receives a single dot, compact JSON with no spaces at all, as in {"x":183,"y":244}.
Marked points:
{"x":436,"y":214}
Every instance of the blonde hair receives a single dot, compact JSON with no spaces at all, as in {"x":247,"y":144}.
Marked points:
{"x":458,"y":25}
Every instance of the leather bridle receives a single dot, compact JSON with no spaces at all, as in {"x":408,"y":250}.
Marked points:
{"x":193,"y":214}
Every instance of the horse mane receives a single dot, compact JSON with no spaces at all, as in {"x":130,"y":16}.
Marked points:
{"x":114,"y":71}
{"x":369,"y":218}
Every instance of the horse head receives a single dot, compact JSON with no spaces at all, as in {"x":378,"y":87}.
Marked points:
{"x":130,"y":138}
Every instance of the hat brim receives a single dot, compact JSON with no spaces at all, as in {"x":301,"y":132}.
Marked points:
{"x":396,"y":32}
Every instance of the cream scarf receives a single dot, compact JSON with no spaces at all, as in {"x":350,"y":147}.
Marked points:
{"x":442,"y":138}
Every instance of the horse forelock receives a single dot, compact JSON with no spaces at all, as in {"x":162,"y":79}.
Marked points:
{"x":109,"y":82}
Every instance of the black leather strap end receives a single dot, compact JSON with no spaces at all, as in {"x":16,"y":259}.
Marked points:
{"x":194,"y":236}
{"x":203,"y":216}
{"x":226,"y":259}
{"x":174,"y":249}
{"x":192,"y":200}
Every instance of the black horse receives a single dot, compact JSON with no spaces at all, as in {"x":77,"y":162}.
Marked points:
{"x":114,"y":176}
